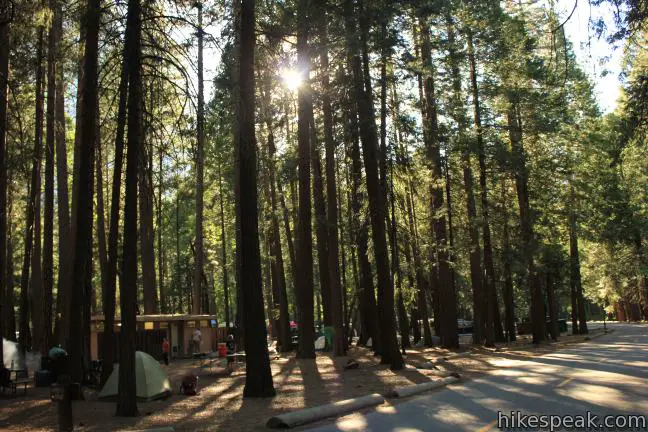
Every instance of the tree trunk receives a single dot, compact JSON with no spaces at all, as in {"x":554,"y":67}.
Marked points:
{"x":75,"y":168}
{"x":421,"y":284}
{"x":63,"y":200}
{"x":385,"y":47}
{"x":337,"y":304}
{"x":32,"y":233}
{"x":321,"y":230}
{"x":146,"y":234}
{"x":101,"y":221}
{"x":403,"y":322}
{"x":389,"y":351}
{"x":304,"y":257}
{"x":526,"y":223}
{"x":279,"y":308}
{"x":552,"y":303}
{"x":126,"y":400}
{"x":336,"y":300}
{"x":178,"y":282}
{"x":163,"y":295}
{"x":446,"y":294}
{"x":509,"y":306}
{"x":200,"y":145}
{"x":235,"y":77}
{"x":83,"y":237}
{"x":574,"y":261}
{"x":9,"y":313}
{"x":489,"y":267}
{"x":37,"y":292}
{"x":279,"y":273}
{"x":289,"y":237}
{"x":109,"y":290}
{"x":48,"y":214}
{"x":5,"y":294}
{"x":346,"y":309}
{"x":258,"y":378}
{"x":482,"y":320}
{"x":365,"y":287}
{"x":267,"y":281}
{"x":224,"y":250}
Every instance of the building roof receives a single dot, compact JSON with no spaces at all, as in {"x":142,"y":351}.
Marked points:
{"x":159,"y":317}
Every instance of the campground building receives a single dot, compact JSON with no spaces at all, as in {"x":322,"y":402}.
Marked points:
{"x":152,"y":329}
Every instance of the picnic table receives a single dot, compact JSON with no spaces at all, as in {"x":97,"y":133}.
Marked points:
{"x":19,"y":378}
{"x":207,"y":360}
{"x":237,"y":356}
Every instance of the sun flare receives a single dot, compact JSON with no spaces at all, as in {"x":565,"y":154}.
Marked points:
{"x":292,"y":78}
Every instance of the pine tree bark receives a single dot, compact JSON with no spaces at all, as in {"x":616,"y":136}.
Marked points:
{"x":365,"y":291}
{"x":235,"y":77}
{"x":146,"y":234}
{"x":552,"y":302}
{"x":489,"y":267}
{"x":110,"y":289}
{"x":321,"y":229}
{"x":579,"y":322}
{"x":278,"y":274}
{"x":346,"y":308}
{"x":126,"y":400}
{"x":200,"y":145}
{"x":37,"y":291}
{"x":422,"y":286}
{"x":5,"y":294}
{"x":389,"y":352}
{"x":267,"y":282}
{"x":526,"y":223}
{"x":304,"y":257}
{"x":63,"y":200}
{"x":288,"y":232}
{"x":226,"y":299}
{"x":403,"y":322}
{"x":336,"y":297}
{"x":33,"y":289}
{"x":447,"y":297}
{"x":258,"y":377}
{"x":161,"y":250}
{"x":509,"y":306}
{"x":8,"y":312}
{"x":482,"y":319}
{"x":48,"y":213}
{"x":101,"y":219}
{"x":84,"y":215}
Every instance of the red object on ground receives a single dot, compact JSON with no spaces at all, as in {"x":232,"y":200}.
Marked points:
{"x":222,"y":349}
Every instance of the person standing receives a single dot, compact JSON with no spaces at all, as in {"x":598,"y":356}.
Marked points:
{"x":197,"y":339}
{"x":231,"y":349}
{"x":165,"y":351}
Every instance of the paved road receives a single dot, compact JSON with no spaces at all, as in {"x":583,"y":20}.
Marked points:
{"x":607,"y":376}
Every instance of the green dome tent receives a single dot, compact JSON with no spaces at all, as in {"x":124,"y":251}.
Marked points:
{"x":152,"y":381}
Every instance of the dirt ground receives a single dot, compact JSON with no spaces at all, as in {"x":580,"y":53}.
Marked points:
{"x":219,"y":406}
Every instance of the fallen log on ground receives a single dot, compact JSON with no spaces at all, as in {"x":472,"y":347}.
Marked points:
{"x":420,"y":388}
{"x":309,"y":415}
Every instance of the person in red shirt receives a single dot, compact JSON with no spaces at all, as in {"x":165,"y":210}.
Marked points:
{"x":165,"y":351}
